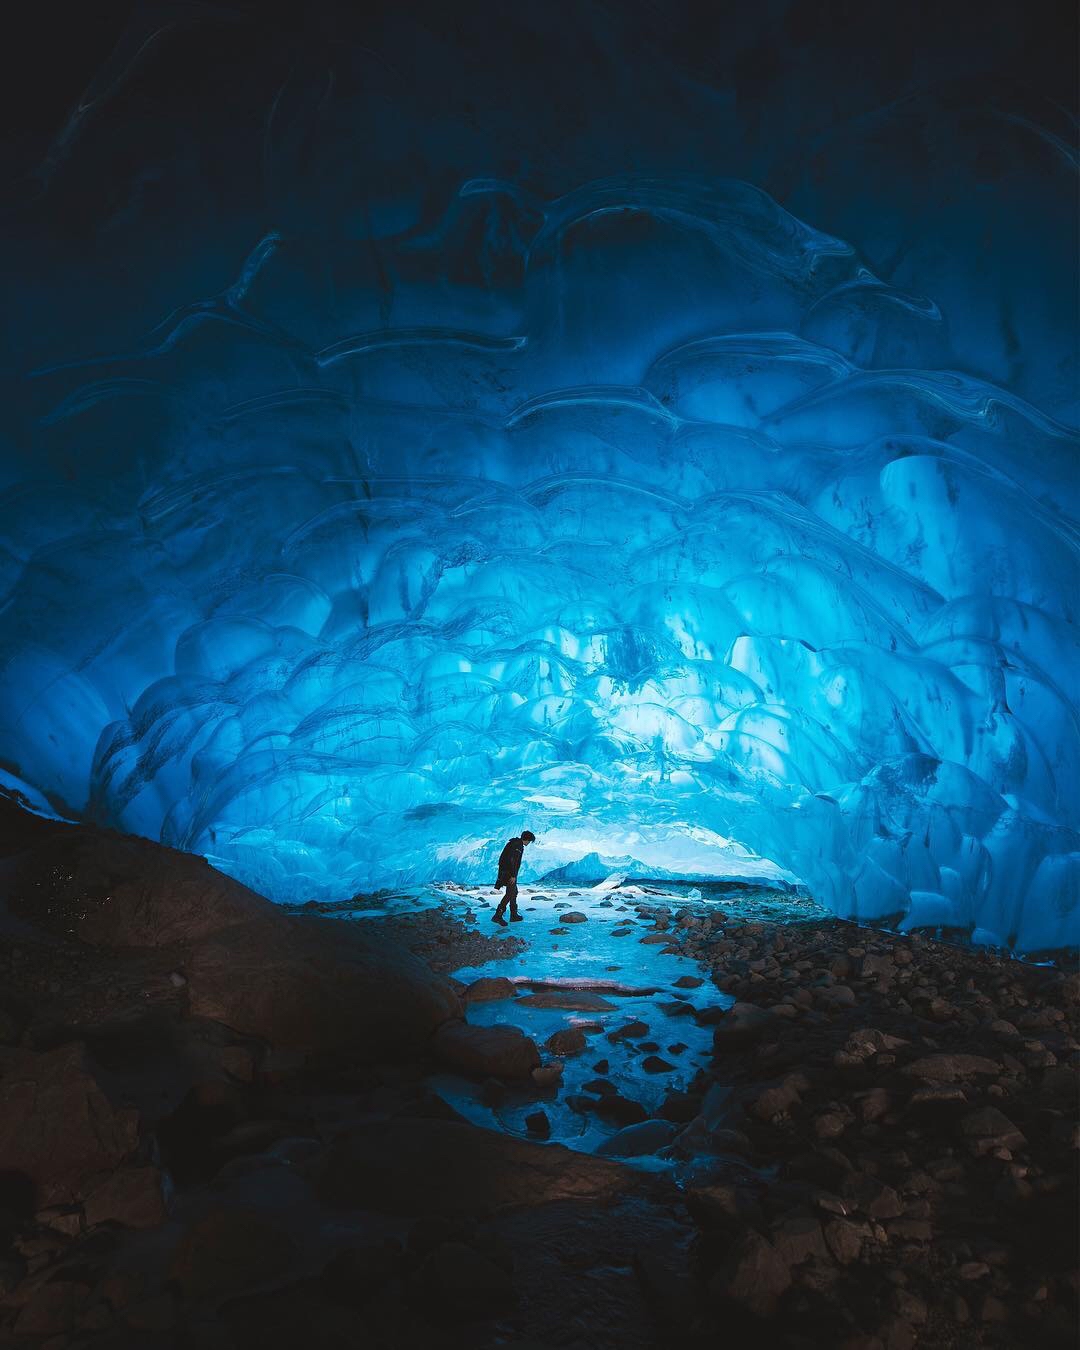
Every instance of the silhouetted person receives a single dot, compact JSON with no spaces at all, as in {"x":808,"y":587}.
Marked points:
{"x":509,"y":862}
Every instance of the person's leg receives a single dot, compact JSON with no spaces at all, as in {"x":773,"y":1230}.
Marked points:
{"x":497,"y":916}
{"x":511,"y":895}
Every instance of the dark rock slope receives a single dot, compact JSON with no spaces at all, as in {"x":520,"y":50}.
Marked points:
{"x":217,"y":1130}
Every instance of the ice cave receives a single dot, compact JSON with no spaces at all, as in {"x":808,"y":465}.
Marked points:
{"x":647,"y":516}
{"x":637,"y":442}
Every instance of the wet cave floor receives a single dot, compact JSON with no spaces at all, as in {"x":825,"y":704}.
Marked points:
{"x":599,"y":980}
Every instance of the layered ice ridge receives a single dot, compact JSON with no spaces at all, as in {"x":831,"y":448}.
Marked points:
{"x":648,"y":517}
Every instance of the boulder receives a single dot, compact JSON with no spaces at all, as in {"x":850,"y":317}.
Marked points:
{"x":135,"y":1197}
{"x":538,"y":1124}
{"x":869,"y":1041}
{"x":569,"y":1041}
{"x":52,"y":1309}
{"x":836,"y":996}
{"x":320,"y":988}
{"x":572,"y":1000}
{"x":366,"y":1267}
{"x":989,"y":1128}
{"x":951,"y":1068}
{"x":680,"y":1107}
{"x":635,"y":1140}
{"x":573,"y":916}
{"x":798,"y":1238}
{"x":489,"y":990}
{"x":57,"y":1126}
{"x":844,"y":1240}
{"x":463,"y":1281}
{"x":411,"y":1166}
{"x":230,"y":1249}
{"x":631,"y":1031}
{"x":622,"y":1110}
{"x":744,"y":1025}
{"x":778,"y":1098}
{"x":870,"y":1196}
{"x":121,"y":891}
{"x":754,"y":1275}
{"x":310,"y":985}
{"x":877,"y":967}
{"x":486,"y":1052}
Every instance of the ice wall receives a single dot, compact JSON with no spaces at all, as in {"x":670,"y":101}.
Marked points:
{"x":643,"y":515}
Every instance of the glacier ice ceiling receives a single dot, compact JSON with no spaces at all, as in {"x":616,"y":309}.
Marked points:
{"x":644,"y":513}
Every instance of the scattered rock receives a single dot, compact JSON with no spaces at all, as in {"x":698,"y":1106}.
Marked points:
{"x":573,"y":916}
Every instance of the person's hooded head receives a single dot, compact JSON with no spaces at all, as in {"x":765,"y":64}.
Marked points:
{"x":527,"y":837}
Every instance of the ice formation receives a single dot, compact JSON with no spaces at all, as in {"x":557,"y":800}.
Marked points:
{"x":647,"y":517}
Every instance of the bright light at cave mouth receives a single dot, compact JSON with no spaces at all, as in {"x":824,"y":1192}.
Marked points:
{"x":679,"y":544}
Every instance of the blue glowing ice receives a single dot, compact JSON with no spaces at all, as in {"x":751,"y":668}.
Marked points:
{"x":647,"y":517}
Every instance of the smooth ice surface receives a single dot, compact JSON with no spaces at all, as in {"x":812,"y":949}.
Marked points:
{"x":647,"y":517}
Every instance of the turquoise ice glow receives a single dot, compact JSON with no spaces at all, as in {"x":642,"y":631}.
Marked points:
{"x":653,"y":522}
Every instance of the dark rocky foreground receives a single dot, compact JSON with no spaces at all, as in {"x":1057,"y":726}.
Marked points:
{"x":216,"y":1130}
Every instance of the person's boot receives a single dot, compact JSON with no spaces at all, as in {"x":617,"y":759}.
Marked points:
{"x":498,"y":918}
{"x":517,"y":918}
